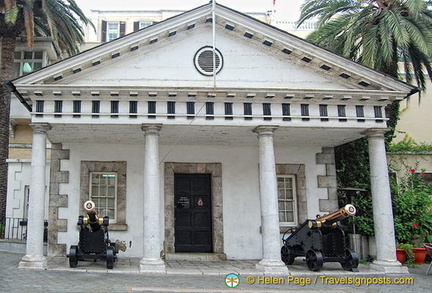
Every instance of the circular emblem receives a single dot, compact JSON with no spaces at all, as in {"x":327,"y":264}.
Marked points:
{"x":232,"y":280}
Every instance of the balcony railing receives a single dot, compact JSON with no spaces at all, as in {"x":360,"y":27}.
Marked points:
{"x":16,"y":229}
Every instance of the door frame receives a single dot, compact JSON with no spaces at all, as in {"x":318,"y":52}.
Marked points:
{"x":215,"y":170}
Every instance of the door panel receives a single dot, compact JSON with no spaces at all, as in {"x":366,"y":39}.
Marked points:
{"x":193,"y":218}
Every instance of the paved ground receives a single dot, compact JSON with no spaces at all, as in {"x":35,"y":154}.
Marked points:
{"x":198,"y":276}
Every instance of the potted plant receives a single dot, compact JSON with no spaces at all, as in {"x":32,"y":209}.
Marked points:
{"x":404,"y":253}
{"x":412,"y":210}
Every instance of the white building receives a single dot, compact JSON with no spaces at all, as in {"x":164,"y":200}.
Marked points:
{"x":190,"y":163}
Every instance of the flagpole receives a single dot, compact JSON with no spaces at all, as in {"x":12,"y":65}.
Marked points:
{"x":214,"y":42}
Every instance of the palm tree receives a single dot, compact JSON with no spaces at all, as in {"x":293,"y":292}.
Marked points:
{"x":380,"y":34}
{"x":55,"y":18}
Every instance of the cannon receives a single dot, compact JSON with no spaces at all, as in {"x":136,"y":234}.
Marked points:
{"x":321,"y":240}
{"x":94,"y":242}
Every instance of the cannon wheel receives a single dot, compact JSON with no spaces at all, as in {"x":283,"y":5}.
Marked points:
{"x":287,"y":255}
{"x":73,"y":256}
{"x":110,"y":257}
{"x":351,"y":261}
{"x":314,"y":260}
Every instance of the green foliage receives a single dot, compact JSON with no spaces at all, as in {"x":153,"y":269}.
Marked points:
{"x":409,"y":251}
{"x":412,"y":208}
{"x":352,"y":164}
{"x":363,"y":220}
{"x":378,"y":34}
{"x":409,"y":145}
{"x":1,"y":229}
{"x":11,"y":15}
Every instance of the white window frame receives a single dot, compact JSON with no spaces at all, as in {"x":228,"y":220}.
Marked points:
{"x":110,"y":30}
{"x":143,"y":24}
{"x":294,"y":200}
{"x":31,"y":61}
{"x":92,"y":197}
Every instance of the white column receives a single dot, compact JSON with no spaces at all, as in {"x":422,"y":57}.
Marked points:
{"x":271,"y":262}
{"x":151,"y":261}
{"x":34,"y":257}
{"x":382,"y":205}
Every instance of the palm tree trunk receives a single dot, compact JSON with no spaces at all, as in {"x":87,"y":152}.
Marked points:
{"x":7,"y":57}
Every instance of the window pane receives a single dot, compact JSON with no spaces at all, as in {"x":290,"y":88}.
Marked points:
{"x":290,"y":217}
{"x":37,"y":65}
{"x":37,"y":55}
{"x":28,"y":55}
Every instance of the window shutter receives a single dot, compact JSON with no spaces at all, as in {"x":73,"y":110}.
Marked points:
{"x":136,"y":26}
{"x":104,"y":31}
{"x":122,"y":28}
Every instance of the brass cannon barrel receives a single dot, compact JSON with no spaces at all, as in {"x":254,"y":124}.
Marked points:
{"x":336,"y":216}
{"x":92,"y":217}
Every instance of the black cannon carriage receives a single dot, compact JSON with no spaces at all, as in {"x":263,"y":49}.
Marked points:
{"x":94,"y":242}
{"x":321,"y":240}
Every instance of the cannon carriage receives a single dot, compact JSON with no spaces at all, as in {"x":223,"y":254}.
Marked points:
{"x":94,"y":242}
{"x":321,"y":240}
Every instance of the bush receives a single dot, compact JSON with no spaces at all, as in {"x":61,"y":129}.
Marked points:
{"x":412,"y":209}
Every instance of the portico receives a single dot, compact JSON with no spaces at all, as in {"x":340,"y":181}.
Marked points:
{"x":202,"y":163}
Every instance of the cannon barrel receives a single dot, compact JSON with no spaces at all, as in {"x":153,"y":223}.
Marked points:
{"x":93,"y":218}
{"x":336,"y":216}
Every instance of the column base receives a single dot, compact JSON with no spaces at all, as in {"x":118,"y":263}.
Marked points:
{"x":272,"y":267}
{"x":389,"y":267}
{"x":152,"y":266}
{"x":33,"y":262}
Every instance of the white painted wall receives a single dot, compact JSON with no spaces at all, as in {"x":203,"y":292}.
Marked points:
{"x":241,"y":204}
{"x":169,"y":62}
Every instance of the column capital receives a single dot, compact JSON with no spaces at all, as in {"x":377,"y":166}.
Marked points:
{"x":265,"y":129}
{"x":40,"y":127}
{"x":151,"y":128}
{"x":376,"y":132}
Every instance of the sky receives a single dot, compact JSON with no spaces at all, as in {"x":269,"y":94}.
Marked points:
{"x":285,"y":9}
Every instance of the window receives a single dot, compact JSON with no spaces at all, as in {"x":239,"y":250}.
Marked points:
{"x":95,"y":108}
{"x":378,"y":113}
{"x":103,"y":192}
{"x":287,"y":199}
{"x":228,"y":111}
{"x":143,"y":24}
{"x":304,"y":108}
{"x":58,"y":108}
{"x":190,"y":109}
{"x":114,"y":108}
{"x":323,"y":112}
{"x":26,"y":62}
{"x":360,"y":113}
{"x":267,"y":111}
{"x":39,"y":108}
{"x":286,"y":112}
{"x":342,"y":112}
{"x":151,"y":109}
{"x":133,"y":109}
{"x":112,"y":30}
{"x":76,"y":109}
{"x":247,"y":108}
{"x":210,"y":110}
{"x":171,"y":109}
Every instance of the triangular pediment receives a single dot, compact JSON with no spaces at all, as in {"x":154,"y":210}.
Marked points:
{"x":254,"y":54}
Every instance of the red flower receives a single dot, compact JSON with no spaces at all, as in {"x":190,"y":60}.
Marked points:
{"x":415,"y":225}
{"x":423,"y":174}
{"x":412,"y":170}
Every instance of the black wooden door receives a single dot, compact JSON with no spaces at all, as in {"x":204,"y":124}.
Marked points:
{"x":193,"y":218}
